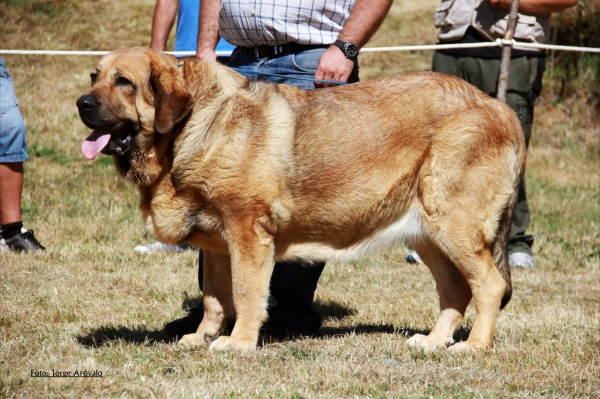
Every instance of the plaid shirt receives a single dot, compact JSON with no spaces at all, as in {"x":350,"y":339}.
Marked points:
{"x":249,"y":23}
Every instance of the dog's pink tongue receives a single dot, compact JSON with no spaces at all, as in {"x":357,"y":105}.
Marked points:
{"x":95,"y":142}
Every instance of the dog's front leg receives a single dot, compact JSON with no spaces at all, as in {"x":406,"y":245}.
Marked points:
{"x":216,"y":298}
{"x":251,"y":250}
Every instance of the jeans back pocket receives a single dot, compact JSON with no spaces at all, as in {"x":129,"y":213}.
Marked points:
{"x":8,"y":100}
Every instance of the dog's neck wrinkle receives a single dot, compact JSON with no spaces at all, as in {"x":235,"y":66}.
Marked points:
{"x":195,"y":83}
{"x":204,"y":81}
{"x":193,"y":135}
{"x":180,"y":134}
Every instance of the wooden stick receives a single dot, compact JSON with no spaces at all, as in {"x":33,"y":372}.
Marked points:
{"x":506,"y":49}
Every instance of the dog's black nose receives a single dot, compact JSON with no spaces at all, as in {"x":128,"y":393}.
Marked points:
{"x":86,"y":103}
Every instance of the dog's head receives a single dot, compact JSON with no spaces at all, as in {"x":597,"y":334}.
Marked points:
{"x":136,"y":99}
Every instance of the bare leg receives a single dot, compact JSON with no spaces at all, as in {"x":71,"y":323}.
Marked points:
{"x":11,"y":187}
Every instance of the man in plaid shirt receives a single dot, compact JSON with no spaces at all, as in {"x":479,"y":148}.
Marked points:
{"x":273,"y":34}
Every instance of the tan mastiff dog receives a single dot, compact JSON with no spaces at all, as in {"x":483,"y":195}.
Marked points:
{"x":254,"y":172}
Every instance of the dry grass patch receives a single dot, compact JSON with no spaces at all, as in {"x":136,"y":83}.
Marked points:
{"x":105,"y":310}
{"x":90,"y":303}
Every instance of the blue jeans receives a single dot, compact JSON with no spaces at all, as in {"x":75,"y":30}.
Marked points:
{"x":294,"y":69}
{"x":293,"y":284}
{"x":12,"y":127}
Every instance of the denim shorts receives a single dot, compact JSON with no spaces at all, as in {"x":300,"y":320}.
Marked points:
{"x":12,"y":127}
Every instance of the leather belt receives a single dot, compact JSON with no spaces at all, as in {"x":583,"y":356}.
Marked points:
{"x":281,"y":50}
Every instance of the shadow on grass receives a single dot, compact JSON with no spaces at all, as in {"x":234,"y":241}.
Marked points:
{"x":190,"y":302}
{"x":333,"y":310}
{"x":364,"y":329}
{"x":106,"y":335}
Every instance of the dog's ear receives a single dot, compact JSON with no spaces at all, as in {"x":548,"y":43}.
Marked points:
{"x":172,"y":101}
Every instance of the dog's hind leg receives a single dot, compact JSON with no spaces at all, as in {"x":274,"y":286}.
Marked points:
{"x":465,"y":244}
{"x":217,"y":299}
{"x":488,"y":288}
{"x":455,"y":296}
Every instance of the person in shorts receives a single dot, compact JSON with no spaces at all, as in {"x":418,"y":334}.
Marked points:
{"x":13,"y":152}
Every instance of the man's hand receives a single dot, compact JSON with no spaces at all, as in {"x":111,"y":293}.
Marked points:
{"x":333,"y":65}
{"x":365,"y":19}
{"x":207,"y":54}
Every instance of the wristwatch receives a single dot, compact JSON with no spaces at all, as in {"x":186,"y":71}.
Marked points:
{"x":349,"y":49}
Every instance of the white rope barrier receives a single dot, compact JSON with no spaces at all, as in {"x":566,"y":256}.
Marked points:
{"x":514,"y":43}
{"x":52,"y":52}
{"x":497,"y":43}
{"x":429,"y":47}
{"x":65,"y":52}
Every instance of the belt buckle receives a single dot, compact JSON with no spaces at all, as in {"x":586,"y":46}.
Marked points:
{"x":273,"y":51}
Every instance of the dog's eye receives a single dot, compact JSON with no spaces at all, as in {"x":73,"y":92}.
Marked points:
{"x":93,"y":76}
{"x":123,"y":81}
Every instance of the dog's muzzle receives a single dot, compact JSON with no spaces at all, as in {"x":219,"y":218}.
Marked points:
{"x":86,"y":104}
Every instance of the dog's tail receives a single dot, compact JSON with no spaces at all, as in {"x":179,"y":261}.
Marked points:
{"x":500,"y":251}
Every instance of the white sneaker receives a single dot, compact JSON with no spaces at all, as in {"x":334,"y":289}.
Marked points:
{"x":24,"y":242}
{"x":521,"y":260}
{"x":413,"y":257}
{"x":3,"y":246}
{"x":157,"y":247}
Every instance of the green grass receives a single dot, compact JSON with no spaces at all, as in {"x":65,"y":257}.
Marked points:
{"x":90,"y":303}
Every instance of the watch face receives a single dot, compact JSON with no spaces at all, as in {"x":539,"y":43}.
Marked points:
{"x":350,"y":50}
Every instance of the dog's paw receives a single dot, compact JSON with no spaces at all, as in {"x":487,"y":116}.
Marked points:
{"x":420,"y":341}
{"x":230,"y":343}
{"x":415,"y":340}
{"x":192,"y":340}
{"x":469,"y":347}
